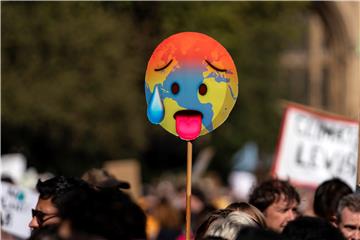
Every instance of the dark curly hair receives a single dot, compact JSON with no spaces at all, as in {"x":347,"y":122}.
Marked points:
{"x":327,"y":197}
{"x":270,"y":191}
{"x":58,"y":188}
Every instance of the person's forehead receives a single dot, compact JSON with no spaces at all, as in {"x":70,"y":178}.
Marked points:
{"x":347,"y":213}
{"x":282,"y":200}
{"x":46,"y":206}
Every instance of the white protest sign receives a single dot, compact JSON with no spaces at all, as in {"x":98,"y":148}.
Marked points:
{"x":13,"y":165}
{"x":315,"y":147}
{"x":16,"y":205}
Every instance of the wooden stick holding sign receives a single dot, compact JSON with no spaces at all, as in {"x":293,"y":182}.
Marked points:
{"x":358,"y":160}
{"x":188,"y":190}
{"x":184,"y":94}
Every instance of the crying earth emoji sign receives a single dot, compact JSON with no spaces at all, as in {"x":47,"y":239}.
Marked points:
{"x":191,"y":85}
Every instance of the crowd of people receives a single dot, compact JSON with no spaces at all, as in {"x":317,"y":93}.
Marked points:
{"x":99,"y":208}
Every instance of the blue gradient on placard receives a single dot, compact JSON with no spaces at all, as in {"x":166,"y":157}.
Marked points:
{"x":189,"y":79}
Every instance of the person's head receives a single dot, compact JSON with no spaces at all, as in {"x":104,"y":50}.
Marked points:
{"x":52,"y":195}
{"x":214,"y":215}
{"x":229,"y":226}
{"x":198,"y":199}
{"x":167,"y":215}
{"x":201,"y":207}
{"x":254,"y":233}
{"x":213,"y":238}
{"x":107,"y":212}
{"x":327,"y":197}
{"x":278,"y":201}
{"x":311,"y":228}
{"x":254,"y":213}
{"x":101,"y":178}
{"x":348,"y":216}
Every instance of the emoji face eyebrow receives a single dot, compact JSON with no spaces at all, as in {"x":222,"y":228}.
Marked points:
{"x":215,"y":68}
{"x":162,"y":68}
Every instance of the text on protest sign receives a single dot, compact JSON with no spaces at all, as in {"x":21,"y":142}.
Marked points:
{"x":16,"y":205}
{"x":315,"y":147}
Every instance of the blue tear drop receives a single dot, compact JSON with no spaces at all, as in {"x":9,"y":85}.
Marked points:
{"x":155,"y":111}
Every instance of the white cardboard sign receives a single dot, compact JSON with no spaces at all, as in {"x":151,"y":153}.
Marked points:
{"x":314,"y":147}
{"x":16,"y":205}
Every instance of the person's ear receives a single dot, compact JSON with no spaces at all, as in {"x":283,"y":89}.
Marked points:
{"x":333,"y":220}
{"x":65,"y":229}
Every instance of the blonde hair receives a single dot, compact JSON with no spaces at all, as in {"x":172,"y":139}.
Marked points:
{"x":254,"y":213}
{"x":229,"y":226}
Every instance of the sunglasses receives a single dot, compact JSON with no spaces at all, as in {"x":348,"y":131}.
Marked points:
{"x":40,"y":216}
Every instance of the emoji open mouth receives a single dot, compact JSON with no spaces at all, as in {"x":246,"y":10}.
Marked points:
{"x":188,"y":124}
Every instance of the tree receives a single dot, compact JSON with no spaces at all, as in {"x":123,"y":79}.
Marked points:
{"x":71,"y":92}
{"x":73,"y":78}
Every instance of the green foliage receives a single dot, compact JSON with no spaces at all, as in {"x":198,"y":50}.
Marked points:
{"x":73,"y":75}
{"x":73,"y":67}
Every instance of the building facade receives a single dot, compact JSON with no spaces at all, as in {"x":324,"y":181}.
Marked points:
{"x":327,"y":68}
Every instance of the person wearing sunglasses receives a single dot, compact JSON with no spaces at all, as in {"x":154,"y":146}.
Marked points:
{"x":42,"y":217}
{"x":53,"y":193}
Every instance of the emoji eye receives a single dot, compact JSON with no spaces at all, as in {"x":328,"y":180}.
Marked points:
{"x":202,"y":89}
{"x":175,"y":88}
